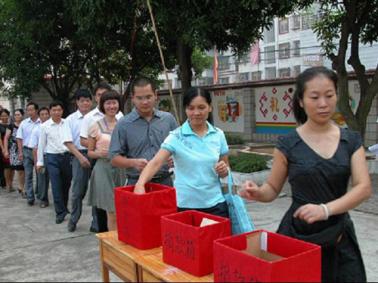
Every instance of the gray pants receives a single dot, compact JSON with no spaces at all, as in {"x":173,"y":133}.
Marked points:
{"x":43,"y":184}
{"x":80,"y":177}
{"x":29,"y":169}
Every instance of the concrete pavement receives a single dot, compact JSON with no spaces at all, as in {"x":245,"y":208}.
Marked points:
{"x":34,"y":248}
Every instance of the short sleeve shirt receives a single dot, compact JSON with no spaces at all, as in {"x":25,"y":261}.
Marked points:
{"x":196,"y":181}
{"x":135,"y":137}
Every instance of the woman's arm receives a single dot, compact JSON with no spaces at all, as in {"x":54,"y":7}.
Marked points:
{"x":6,"y":143}
{"x":273,"y":186}
{"x":91,"y":149}
{"x":150,"y":170}
{"x":361,"y":185}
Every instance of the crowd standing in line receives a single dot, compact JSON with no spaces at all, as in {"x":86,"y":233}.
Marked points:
{"x":109,"y":149}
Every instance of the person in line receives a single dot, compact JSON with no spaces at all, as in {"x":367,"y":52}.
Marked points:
{"x":319,"y":158}
{"x":200,"y":156}
{"x":11,"y":150}
{"x":25,"y":151}
{"x":99,"y":221}
{"x":54,"y":133}
{"x":43,"y":178}
{"x":81,"y":167}
{"x":138,"y":136}
{"x":104,"y":177}
{"x":8,"y":172}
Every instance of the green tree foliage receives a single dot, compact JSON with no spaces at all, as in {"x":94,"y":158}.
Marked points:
{"x":343,"y":27}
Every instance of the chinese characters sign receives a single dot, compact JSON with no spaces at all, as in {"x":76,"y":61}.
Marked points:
{"x":274,"y":110}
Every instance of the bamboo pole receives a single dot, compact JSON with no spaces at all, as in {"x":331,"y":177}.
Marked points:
{"x":163,"y":62}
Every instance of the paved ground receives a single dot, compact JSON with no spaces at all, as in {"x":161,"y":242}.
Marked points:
{"x":34,"y":248}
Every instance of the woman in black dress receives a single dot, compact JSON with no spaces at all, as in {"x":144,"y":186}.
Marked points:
{"x":319,"y":158}
{"x":11,"y":149}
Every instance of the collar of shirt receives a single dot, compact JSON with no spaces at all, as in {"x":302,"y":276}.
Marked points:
{"x":134,"y":115}
{"x":79,"y":115}
{"x":34,"y":122}
{"x":187,"y":130}
{"x":50,"y":122}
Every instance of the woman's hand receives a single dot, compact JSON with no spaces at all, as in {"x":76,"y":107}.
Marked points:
{"x":310,"y":213}
{"x":250,"y":191}
{"x":221,"y":168}
{"x":139,"y":189}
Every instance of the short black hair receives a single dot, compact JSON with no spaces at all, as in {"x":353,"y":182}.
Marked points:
{"x":5,"y":110}
{"x":109,"y":95}
{"x":141,"y":82}
{"x":300,"y":87}
{"x":36,"y":107}
{"x":20,"y":110}
{"x":56,"y":103}
{"x":82,"y":92}
{"x":102,"y":85}
{"x":42,"y":109}
{"x":192,"y":93}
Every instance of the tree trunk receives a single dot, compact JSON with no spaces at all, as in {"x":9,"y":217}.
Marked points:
{"x":184,"y":56}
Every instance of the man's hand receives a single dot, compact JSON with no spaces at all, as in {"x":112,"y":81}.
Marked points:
{"x":40,"y":169}
{"x":84,"y":162}
{"x":139,"y":164}
{"x":20,"y":156}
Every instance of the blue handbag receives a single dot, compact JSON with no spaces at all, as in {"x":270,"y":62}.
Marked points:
{"x":239,"y":217}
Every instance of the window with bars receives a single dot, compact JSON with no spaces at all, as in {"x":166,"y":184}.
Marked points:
{"x":243,"y":77}
{"x":308,"y":21}
{"x":269,"y":55}
{"x":284,"y":50}
{"x":256,"y":76}
{"x":269,"y":35}
{"x":224,"y":80}
{"x":223,"y":63}
{"x":270,"y":73}
{"x":295,"y":22}
{"x":283,"y":25}
{"x":296,"y":48}
{"x":296,"y":70}
{"x":284,"y":73}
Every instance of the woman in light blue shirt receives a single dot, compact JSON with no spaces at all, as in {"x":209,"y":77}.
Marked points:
{"x":200,"y":155}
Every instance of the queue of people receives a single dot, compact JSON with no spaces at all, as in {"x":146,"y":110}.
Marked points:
{"x":102,"y":148}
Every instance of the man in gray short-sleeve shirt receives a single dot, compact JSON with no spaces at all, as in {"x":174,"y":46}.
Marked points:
{"x":138,"y":135}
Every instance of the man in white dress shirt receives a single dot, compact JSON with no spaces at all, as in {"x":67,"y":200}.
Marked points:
{"x":42,"y":177}
{"x":81,"y":168}
{"x":99,"y":223}
{"x":25,"y":151}
{"x":54,"y":132}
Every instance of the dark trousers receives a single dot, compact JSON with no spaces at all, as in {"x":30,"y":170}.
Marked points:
{"x":164,"y":181}
{"x":59,"y":167}
{"x":43,"y":184}
{"x":221,"y":209}
{"x":80,"y":177}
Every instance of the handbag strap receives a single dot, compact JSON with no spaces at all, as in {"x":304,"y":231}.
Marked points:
{"x":230,"y":181}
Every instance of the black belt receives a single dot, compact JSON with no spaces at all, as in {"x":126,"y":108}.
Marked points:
{"x":66,"y":153}
{"x":26,"y":147}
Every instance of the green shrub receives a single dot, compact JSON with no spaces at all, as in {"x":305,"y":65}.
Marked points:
{"x":248,"y":162}
{"x":234,"y":139}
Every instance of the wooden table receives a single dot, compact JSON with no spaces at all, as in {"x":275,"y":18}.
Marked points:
{"x":131,"y":264}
